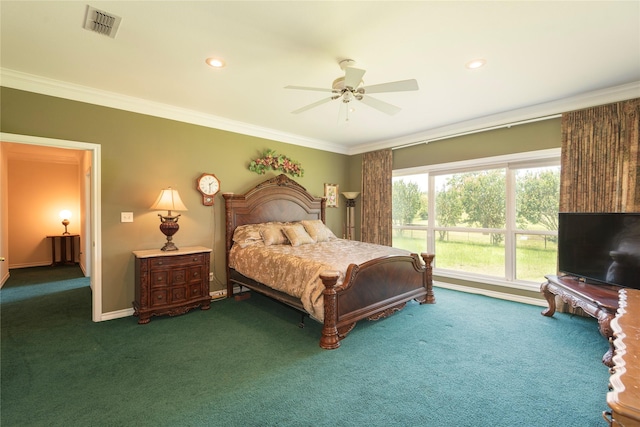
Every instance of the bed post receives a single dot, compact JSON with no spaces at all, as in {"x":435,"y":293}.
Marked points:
{"x":428,"y":263}
{"x":330,"y":339}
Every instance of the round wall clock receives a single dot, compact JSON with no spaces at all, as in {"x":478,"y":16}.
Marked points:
{"x":208,"y":185}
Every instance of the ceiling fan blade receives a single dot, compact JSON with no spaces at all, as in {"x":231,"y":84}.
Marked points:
{"x":385,"y":107}
{"x":310,"y":106}
{"x":400,"y":86}
{"x":319,"y":89}
{"x":353,"y":77}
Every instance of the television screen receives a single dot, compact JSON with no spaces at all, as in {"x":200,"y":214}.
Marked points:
{"x":600,"y":247}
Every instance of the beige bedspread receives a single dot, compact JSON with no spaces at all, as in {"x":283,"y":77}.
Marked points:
{"x":296,"y":270}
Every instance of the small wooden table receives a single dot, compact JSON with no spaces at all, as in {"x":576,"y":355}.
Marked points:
{"x":624,"y":395}
{"x":64,"y":238}
{"x":599,"y":301}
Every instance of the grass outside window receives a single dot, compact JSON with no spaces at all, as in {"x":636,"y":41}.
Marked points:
{"x":472,"y":252}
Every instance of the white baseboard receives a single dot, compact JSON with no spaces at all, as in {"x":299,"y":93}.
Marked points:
{"x":4,"y":278}
{"x":30,"y":264}
{"x":117,"y":314}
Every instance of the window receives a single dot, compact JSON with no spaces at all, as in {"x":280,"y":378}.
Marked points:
{"x":488,"y":220}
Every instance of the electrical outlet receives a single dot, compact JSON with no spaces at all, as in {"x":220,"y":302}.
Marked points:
{"x":126,"y":216}
{"x":211,"y":277}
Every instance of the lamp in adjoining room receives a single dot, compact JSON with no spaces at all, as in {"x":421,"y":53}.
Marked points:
{"x":169,"y":200}
{"x":65,"y":215}
{"x":351,"y":217}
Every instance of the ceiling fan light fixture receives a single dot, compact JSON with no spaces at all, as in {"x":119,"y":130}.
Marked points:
{"x":338,"y":85}
{"x":215,"y":62}
{"x":350,"y":87}
{"x":476,"y":63}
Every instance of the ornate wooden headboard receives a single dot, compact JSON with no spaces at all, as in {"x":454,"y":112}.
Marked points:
{"x":277,"y":199}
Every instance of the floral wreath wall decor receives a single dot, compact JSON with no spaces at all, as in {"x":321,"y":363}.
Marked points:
{"x":277,"y":162}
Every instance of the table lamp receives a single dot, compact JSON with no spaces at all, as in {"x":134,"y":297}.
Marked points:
{"x":65,"y":215}
{"x":169,"y":200}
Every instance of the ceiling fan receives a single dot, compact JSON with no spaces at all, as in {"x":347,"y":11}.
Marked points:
{"x":349,"y":88}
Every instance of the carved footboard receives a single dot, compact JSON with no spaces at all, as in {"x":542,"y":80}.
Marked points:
{"x":373,"y":290}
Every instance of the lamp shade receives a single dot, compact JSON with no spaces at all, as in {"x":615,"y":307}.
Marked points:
{"x":350,"y":195}
{"x":169,"y":200}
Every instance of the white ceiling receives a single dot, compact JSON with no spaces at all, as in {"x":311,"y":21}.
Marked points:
{"x":542,"y":58}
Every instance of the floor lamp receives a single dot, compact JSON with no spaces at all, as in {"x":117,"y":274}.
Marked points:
{"x":351,"y":215}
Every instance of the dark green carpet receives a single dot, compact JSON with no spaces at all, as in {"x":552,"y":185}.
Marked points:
{"x":466,"y":361}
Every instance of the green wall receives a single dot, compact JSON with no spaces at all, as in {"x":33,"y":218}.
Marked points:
{"x":141,"y":155}
{"x":540,"y":135}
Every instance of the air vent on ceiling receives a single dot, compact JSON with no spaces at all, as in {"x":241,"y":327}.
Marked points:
{"x":101,"y":22}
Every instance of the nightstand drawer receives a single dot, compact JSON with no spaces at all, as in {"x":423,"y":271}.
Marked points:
{"x":160,"y":278}
{"x":195,"y":291}
{"x":167,"y":262}
{"x":176,"y":276}
{"x":178,"y":293}
{"x":195,"y":274}
{"x":158,"y":298}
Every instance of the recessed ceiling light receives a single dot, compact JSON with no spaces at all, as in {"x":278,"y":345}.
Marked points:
{"x":476,"y":63}
{"x":215,"y":62}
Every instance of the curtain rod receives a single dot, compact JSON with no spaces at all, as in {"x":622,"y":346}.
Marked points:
{"x":455,"y":135}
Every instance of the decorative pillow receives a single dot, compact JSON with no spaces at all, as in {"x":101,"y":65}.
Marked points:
{"x":297,"y":235}
{"x":272,"y":235}
{"x":247,"y":235}
{"x":317,"y":230}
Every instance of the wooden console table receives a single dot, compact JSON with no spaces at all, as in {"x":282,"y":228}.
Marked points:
{"x":599,"y":301}
{"x":64,"y":258}
{"x":624,"y":395}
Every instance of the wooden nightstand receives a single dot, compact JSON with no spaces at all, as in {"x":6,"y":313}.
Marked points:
{"x":171,"y":282}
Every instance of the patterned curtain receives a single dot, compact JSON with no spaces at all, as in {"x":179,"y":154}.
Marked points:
{"x":376,"y":222}
{"x":601,"y":159}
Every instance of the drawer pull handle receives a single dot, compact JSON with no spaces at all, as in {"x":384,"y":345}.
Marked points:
{"x":195,"y":259}
{"x":159,"y":296}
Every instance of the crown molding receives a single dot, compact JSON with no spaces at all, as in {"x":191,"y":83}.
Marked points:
{"x":45,"y":86}
{"x":32,"y":83}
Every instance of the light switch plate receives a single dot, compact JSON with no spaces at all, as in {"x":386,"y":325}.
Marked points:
{"x":126,"y":216}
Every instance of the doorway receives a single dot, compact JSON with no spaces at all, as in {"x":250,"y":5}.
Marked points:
{"x":90,"y":198}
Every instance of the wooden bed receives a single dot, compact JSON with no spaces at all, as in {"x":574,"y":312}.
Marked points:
{"x":371,"y":290}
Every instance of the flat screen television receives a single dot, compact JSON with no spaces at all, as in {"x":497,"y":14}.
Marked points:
{"x":600,"y":248}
